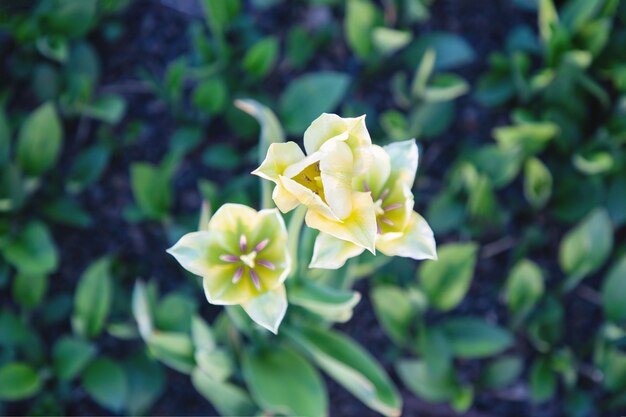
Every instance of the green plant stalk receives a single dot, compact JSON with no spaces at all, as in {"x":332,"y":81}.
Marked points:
{"x":293,"y":236}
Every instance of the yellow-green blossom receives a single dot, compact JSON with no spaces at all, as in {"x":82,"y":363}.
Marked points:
{"x":243,"y":259}
{"x":400,"y":230}
{"x":337,"y":150}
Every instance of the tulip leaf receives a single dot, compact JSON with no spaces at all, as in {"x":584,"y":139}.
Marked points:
{"x":5,"y":139}
{"x":88,"y":168}
{"x":211,"y":96}
{"x":310,"y":95}
{"x":614,"y":291}
{"x":395,"y":311}
{"x":537,"y":183}
{"x":151,"y":187}
{"x":351,"y":366}
{"x":434,"y":388}
{"x":451,"y":50}
{"x":542,"y":381}
{"x":18,"y":381}
{"x":173,"y":349}
{"x":228,"y":399}
{"x":530,"y":137}
{"x":388,"y":41}
{"x":70,"y":355}
{"x":33,"y":251}
{"x":502,"y":372}
{"x":142,"y":311}
{"x":282,"y":381}
{"x":261,"y":57}
{"x":446,"y":280}
{"x":93,"y":298}
{"x":146,"y":383}
{"x":473,"y":337}
{"x":29,"y":289}
{"x":586,"y":247}
{"x":39,"y":141}
{"x":524,"y":287}
{"x":333,"y":304}
{"x":105,"y":381}
{"x":109,"y":109}
{"x":362,"y":16}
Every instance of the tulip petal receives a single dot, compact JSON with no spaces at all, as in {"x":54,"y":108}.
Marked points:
{"x":268,"y":309}
{"x":198,"y":251}
{"x":284,"y":200}
{"x":336,"y":167}
{"x":332,"y":253}
{"x":404,"y":159}
{"x":279,"y":157}
{"x":416,"y":242}
{"x":307,"y":197}
{"x":359,"y":227}
{"x":235,"y":219}
{"x":376,"y":176}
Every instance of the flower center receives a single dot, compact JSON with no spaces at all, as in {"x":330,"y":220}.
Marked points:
{"x":311,"y":178}
{"x":248,"y":259}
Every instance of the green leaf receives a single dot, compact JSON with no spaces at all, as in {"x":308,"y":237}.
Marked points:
{"x":282,"y":381}
{"x":445,"y":87}
{"x":593,"y":163}
{"x":351,"y":366}
{"x":537,"y":182}
{"x":389,"y":41}
{"x":105,"y":381}
{"x":109,"y":109}
{"x":542,"y":381}
{"x":614,"y":290}
{"x":5,"y":139}
{"x":362,"y":16}
{"x":219,"y":14}
{"x":210,"y":95}
{"x":142,"y":312}
{"x":173,"y":349}
{"x":586,"y":247}
{"x":67,"y":210}
{"x":530,"y":137}
{"x":616,"y":201}
{"x":524,"y":287}
{"x":151,"y":188}
{"x":222,"y":156}
{"x":451,"y":50}
{"x":29,"y":289}
{"x":310,"y":95}
{"x":228,"y":399}
{"x":431,"y":119}
{"x":261,"y":57}
{"x":88,"y":168}
{"x":202,"y":334}
{"x":415,"y":376}
{"x":39,"y":141}
{"x":502,"y":372}
{"x":548,"y":19}
{"x":93,"y":298}
{"x":446,"y":280}
{"x":330,"y":303}
{"x":72,"y":18}
{"x":174,"y":312}
{"x":146,"y":382}
{"x":395,"y":311}
{"x":473,"y":337}
{"x":33,"y":251}
{"x":18,"y":381}
{"x":70,"y":355}
{"x":436,"y":351}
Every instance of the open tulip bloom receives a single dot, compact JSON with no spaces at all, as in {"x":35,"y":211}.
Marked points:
{"x":358,"y":195}
{"x":243,"y":259}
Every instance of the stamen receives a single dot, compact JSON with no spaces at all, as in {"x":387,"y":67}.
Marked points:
{"x":393,"y":206}
{"x":378,"y":229}
{"x":243,"y":243}
{"x":229,"y":258}
{"x":387,"y":221}
{"x":261,"y":245}
{"x":266,"y":264}
{"x":255,"y":279}
{"x":384,"y":194}
{"x":366,"y":187}
{"x":238,"y":275}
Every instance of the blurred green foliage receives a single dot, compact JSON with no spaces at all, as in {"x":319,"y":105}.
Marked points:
{"x":531,"y":219}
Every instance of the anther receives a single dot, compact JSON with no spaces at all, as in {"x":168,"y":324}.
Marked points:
{"x":238,"y":275}
{"x":266,"y":264}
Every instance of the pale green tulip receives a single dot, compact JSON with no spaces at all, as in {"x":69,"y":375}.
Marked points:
{"x":243,"y":259}
{"x":400,"y":230}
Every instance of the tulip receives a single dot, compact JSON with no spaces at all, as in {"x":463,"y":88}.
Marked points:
{"x":243,"y":259}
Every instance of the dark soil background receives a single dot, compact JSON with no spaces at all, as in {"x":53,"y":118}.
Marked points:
{"x":155,"y":34}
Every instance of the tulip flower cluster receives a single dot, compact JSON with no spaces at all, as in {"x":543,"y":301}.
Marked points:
{"x":357,"y":194}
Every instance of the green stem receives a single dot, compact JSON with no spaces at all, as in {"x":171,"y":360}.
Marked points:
{"x":293,"y":236}
{"x":362,"y":270}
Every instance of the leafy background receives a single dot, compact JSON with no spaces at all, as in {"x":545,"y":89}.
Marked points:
{"x":117,"y":121}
